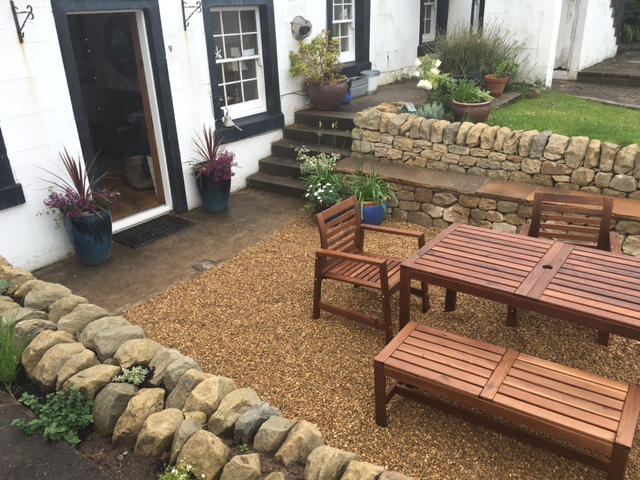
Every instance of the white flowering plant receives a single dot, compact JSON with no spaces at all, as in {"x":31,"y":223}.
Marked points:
{"x":324,"y":186}
{"x":180,"y":471}
{"x":437,"y":84}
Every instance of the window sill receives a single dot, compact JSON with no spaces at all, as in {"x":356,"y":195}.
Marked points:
{"x":11,"y":196}
{"x":251,"y":126}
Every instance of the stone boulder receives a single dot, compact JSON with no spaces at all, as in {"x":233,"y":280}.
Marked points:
{"x":45,"y":373}
{"x":276,"y":476}
{"x":25,"y":287}
{"x":207,"y":453}
{"x":272,"y":434}
{"x":184,"y":432}
{"x":250,"y":422}
{"x":26,"y":330}
{"x":303,"y":438}
{"x":196,"y":417}
{"x":109,"y":405}
{"x":327,"y":463}
{"x":80,"y":317}
{"x":362,"y":471}
{"x":243,"y":467}
{"x":391,"y":475}
{"x":160,"y":362}
{"x":43,"y":294}
{"x":145,"y":403}
{"x":176,"y":369}
{"x":77,"y":363}
{"x":40,"y":344}
{"x":208,"y":394}
{"x":64,"y":306}
{"x":19,"y":314}
{"x":7,"y":304}
{"x":91,"y":380}
{"x":190,"y":380}
{"x":88,"y":333}
{"x":231,"y":408}
{"x":107,"y":341}
{"x":139,"y":351}
{"x":157,"y":432}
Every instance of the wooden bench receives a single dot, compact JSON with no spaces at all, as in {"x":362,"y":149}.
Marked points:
{"x":594,"y":417}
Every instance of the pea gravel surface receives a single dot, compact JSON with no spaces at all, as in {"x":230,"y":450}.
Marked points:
{"x":249,"y":319}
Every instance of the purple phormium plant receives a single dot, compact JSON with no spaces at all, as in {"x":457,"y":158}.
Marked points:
{"x":217,"y":163}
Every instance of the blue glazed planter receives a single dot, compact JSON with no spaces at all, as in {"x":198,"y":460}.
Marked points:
{"x":373,"y":214}
{"x":215,"y":195}
{"x":90,"y":237}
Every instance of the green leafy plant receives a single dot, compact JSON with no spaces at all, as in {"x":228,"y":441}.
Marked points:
{"x":466,"y":91}
{"x":324,"y":186}
{"x":431,"y":110}
{"x":134,"y":375}
{"x":370,"y":187}
{"x":4,"y":286}
{"x":508,"y":68}
{"x":318,"y":61}
{"x":180,"y":471}
{"x":630,"y":33}
{"x":60,"y":419}
{"x":244,"y":448}
{"x":11,"y":349}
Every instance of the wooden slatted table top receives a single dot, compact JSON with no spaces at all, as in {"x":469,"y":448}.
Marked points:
{"x":580,"y":284}
{"x":567,"y":403}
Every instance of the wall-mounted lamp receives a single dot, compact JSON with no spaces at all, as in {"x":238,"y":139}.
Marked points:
{"x":196,"y":9}
{"x":29,"y":15}
{"x":300,"y":28}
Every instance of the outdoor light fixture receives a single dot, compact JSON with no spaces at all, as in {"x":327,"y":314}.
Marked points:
{"x":29,"y":15}
{"x":196,"y":8}
{"x":300,"y":28}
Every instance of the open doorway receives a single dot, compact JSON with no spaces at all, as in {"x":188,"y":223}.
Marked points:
{"x":114,"y":90}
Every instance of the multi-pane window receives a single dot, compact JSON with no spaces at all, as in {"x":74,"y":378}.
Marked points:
{"x":428,"y":21}
{"x":343,"y":28}
{"x":238,"y":54}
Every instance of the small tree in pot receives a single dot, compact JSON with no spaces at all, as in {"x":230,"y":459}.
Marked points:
{"x":319,"y":62}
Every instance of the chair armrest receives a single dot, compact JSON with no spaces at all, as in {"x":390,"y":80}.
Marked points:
{"x":614,"y":242}
{"x":350,"y":256}
{"x":524,"y":230}
{"x":393,"y":231}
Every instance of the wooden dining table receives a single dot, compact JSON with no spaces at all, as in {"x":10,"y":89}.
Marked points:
{"x":583,"y":285}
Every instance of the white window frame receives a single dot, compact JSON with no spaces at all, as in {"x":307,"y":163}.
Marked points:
{"x":252,"y":107}
{"x":428,"y":20}
{"x":348,"y":55}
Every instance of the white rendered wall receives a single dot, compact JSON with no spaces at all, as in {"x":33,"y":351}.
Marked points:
{"x":595,"y":40}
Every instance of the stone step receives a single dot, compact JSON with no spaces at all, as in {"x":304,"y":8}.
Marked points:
{"x":287,"y":149}
{"x":315,"y":118}
{"x":601,"y":78}
{"x":285,"y":167}
{"x":291,"y":187}
{"x":312,"y":135}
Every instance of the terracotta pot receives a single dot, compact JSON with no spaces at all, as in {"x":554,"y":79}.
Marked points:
{"x":478,"y":112}
{"x":495,"y":85}
{"x":328,"y":97}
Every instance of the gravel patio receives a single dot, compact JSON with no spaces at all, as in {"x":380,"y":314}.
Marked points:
{"x":249,"y":319}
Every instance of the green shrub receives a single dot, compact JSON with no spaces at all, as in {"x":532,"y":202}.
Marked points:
{"x":4,"y":286}
{"x":181,"y":471}
{"x":431,"y":110}
{"x":11,"y":349}
{"x":60,"y":419}
{"x":134,"y":375}
{"x":464,"y":51}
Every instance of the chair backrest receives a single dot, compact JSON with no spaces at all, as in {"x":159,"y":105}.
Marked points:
{"x":572,"y":218}
{"x":340,"y":227}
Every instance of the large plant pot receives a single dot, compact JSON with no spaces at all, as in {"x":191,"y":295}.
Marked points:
{"x":215,"y":195}
{"x":478,"y":112}
{"x":90,"y":237}
{"x":328,"y":97}
{"x":495,"y":85}
{"x":373,"y":214}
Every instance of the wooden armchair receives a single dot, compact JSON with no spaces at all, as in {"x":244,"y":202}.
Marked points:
{"x":341,"y":258}
{"x":584,"y":220}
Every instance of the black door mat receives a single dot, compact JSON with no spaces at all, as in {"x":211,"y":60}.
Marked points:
{"x":144,"y":233}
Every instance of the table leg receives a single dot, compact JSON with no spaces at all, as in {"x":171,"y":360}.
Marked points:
{"x":450,"y":300}
{"x":512,"y":316}
{"x":405,"y":295}
{"x":603,"y":338}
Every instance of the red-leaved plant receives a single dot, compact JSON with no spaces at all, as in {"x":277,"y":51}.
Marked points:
{"x":78,"y":196}
{"x":214,"y":162}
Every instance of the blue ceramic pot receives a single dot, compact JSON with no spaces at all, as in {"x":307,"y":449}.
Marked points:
{"x":373,"y":214}
{"x":215,"y":195}
{"x":90,"y":237}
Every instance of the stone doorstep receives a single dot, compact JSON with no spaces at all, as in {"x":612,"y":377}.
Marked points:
{"x":522,"y":193}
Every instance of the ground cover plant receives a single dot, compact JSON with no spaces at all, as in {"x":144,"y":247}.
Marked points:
{"x":571,"y":116}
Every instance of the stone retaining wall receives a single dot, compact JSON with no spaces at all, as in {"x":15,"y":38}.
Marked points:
{"x":541,"y":159}
{"x":72,"y":343}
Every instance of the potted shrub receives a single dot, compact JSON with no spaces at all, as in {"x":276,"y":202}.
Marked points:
{"x":83,"y":209}
{"x":373,"y":192}
{"x":213,"y":171}
{"x":470,"y":101}
{"x":497,"y":81}
{"x":319,"y":62}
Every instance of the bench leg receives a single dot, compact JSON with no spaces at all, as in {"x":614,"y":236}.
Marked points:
{"x":603,"y":338}
{"x":619,"y":461}
{"x":380,"y":394}
{"x":450,"y":300}
{"x":386,"y":315}
{"x":512,"y":316}
{"x":317,"y":289}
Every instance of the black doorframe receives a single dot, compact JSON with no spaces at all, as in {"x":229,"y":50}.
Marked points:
{"x":363,"y":33}
{"x":151,"y":12}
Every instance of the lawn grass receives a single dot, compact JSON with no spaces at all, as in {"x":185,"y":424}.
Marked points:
{"x":571,"y":116}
